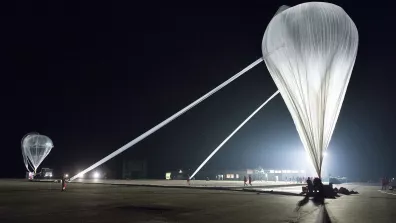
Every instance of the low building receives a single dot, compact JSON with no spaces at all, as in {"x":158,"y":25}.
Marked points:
{"x":232,"y":175}
{"x":177,"y":175}
{"x":256,"y":174}
{"x":283,"y":175}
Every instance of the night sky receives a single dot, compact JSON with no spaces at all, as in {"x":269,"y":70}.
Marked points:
{"x":93,"y":76}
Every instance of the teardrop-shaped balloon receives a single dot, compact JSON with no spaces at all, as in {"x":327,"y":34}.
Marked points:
{"x":35,"y":148}
{"x":311,"y":51}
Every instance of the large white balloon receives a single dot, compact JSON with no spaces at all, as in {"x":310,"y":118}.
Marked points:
{"x":317,"y":50}
{"x":35,"y":148}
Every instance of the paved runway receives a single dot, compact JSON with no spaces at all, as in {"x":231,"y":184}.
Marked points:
{"x":291,"y":189}
{"x":22,"y":201}
{"x":183,"y":183}
{"x":371,"y":205}
{"x":388,"y":192}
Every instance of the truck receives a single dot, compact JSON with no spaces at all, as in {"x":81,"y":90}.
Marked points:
{"x":46,"y":173}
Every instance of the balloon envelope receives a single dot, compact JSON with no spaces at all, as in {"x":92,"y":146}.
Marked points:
{"x":35,"y":148}
{"x":313,"y":49}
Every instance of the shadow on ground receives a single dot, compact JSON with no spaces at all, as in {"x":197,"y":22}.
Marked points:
{"x":319,"y":201}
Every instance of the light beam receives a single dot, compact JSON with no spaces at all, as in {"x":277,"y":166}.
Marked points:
{"x":236,"y":130}
{"x":168,"y":120}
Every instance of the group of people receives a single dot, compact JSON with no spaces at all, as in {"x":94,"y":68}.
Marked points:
{"x":295,"y":179}
{"x":245,"y":180}
{"x":385,"y":183}
{"x":315,"y":185}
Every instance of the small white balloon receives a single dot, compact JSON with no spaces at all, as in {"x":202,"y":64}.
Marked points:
{"x":35,"y":148}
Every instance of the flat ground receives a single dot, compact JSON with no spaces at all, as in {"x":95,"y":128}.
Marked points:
{"x":22,"y":201}
{"x":183,"y":183}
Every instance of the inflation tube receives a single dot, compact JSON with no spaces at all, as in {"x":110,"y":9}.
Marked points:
{"x":166,"y":121}
{"x":233,"y":133}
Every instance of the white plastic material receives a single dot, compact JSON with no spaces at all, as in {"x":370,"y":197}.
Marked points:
{"x":312,"y":69}
{"x":233,"y":133}
{"x":35,"y":148}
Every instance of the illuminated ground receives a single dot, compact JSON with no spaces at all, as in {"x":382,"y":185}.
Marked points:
{"x":183,"y":183}
{"x":22,"y":201}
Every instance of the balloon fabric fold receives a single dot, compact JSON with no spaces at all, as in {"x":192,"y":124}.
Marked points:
{"x":312,"y":69}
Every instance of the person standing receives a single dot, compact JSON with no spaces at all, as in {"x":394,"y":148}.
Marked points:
{"x":188,"y":179}
{"x":63,"y":183}
{"x":316,"y":181}
{"x":250,"y":180}
{"x":244,"y":181}
{"x":387,"y":181}
{"x":310,"y":185}
{"x":383,"y":183}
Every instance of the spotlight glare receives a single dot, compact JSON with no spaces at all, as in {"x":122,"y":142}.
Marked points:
{"x":96,"y":175}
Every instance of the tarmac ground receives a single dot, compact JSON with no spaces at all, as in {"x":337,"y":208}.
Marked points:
{"x":23,"y":201}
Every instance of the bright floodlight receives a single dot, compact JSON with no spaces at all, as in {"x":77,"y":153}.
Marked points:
{"x":35,"y":148}
{"x":96,"y":175}
{"x":66,"y":175}
{"x":80,"y":175}
{"x":312,"y":69}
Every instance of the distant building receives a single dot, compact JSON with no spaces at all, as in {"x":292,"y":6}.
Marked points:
{"x":283,"y":175}
{"x":177,"y":175}
{"x":231,"y":175}
{"x":134,"y":169}
{"x":256,"y":174}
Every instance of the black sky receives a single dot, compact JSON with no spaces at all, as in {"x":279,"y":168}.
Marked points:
{"x":93,"y":76}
